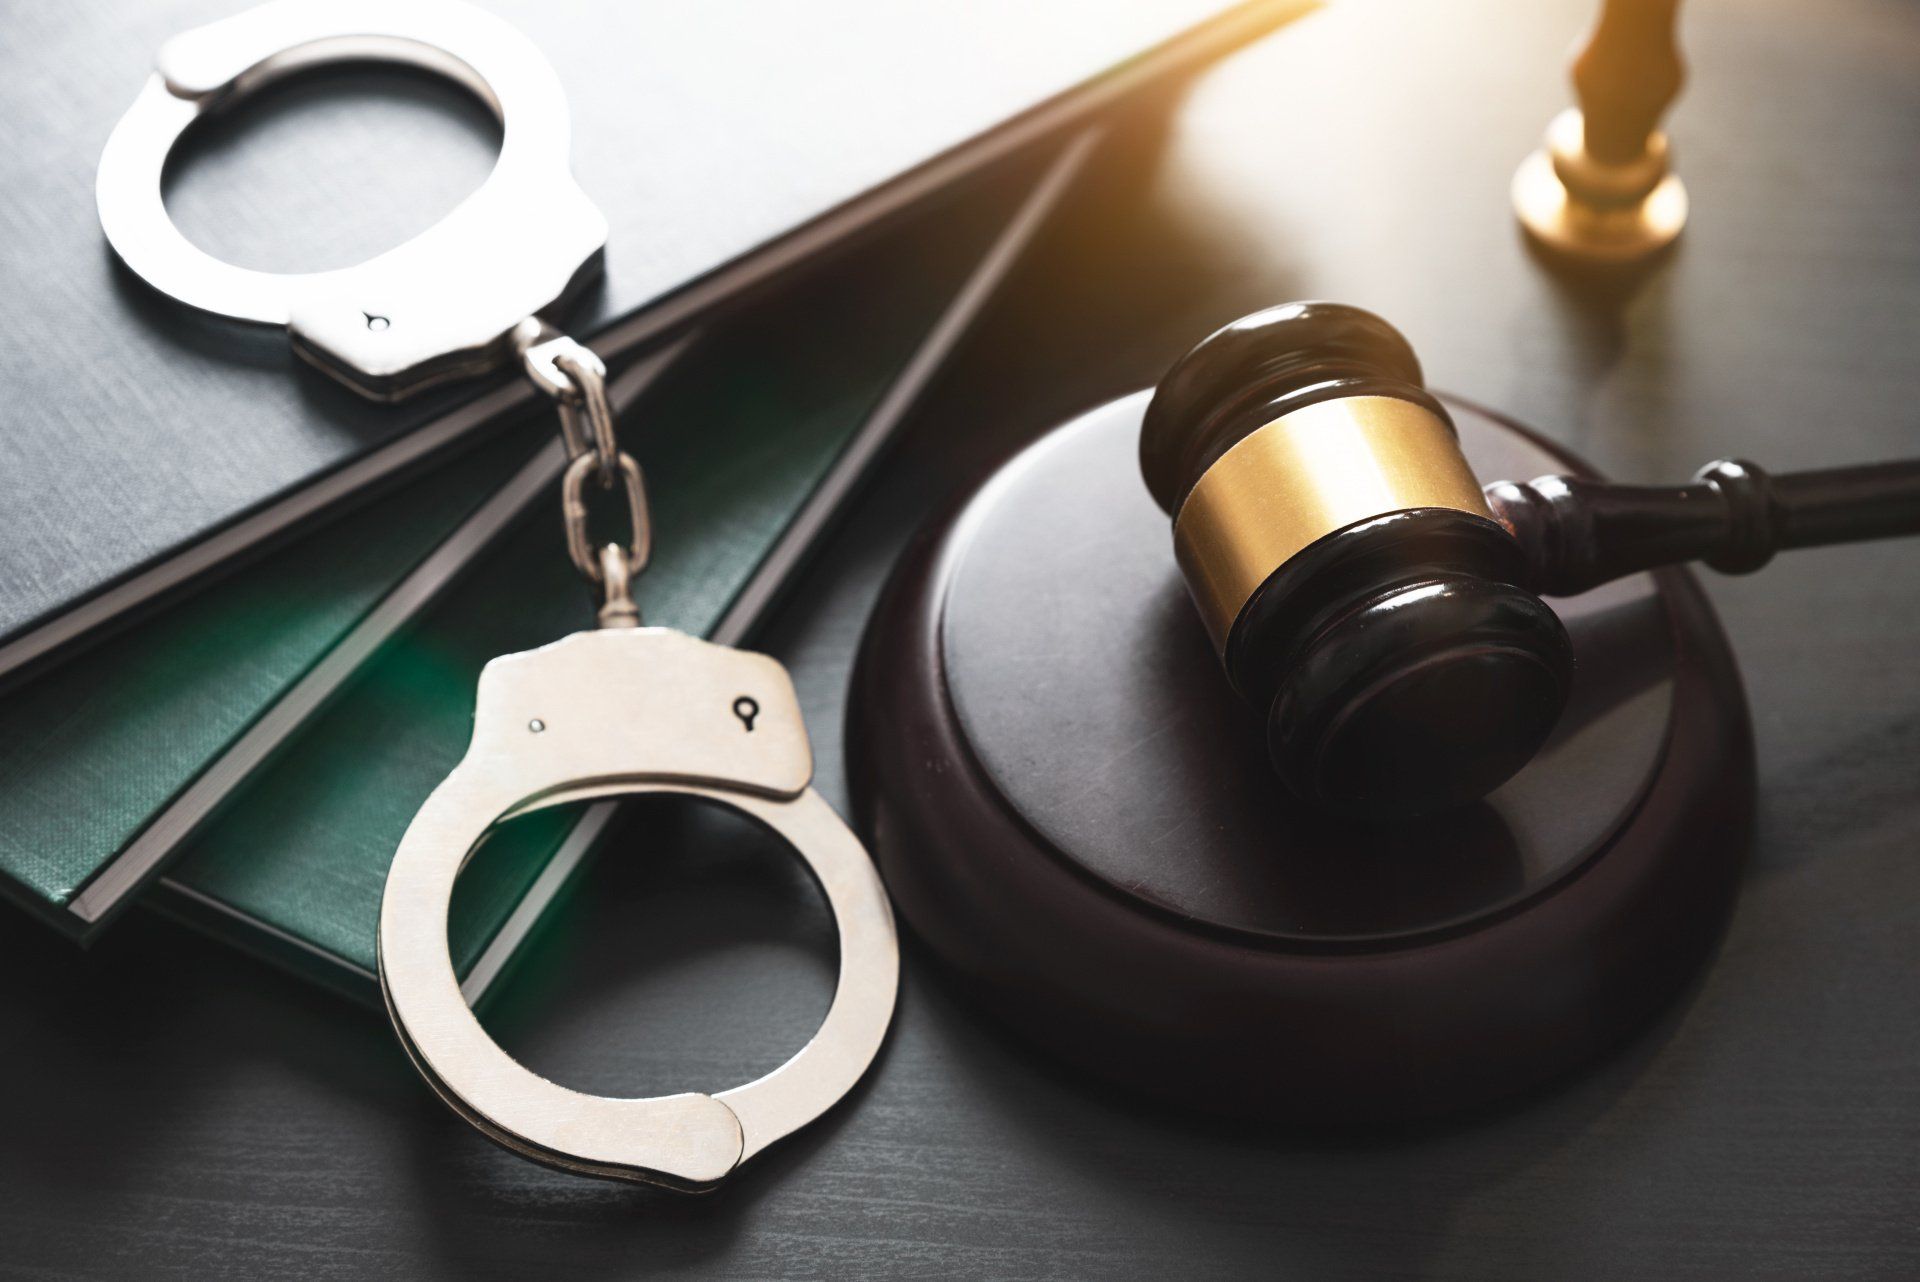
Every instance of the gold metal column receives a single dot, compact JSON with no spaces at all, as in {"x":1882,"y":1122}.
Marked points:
{"x":1600,"y":190}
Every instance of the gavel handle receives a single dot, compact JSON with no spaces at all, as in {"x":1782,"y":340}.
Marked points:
{"x":1734,"y":516}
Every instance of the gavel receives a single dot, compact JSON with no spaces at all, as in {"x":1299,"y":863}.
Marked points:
{"x":1381,"y":606}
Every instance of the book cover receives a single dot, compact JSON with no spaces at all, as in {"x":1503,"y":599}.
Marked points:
{"x":150,"y":447}
{"x":91,"y":750}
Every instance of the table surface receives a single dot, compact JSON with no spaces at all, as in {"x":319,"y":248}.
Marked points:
{"x":168,"y":1107}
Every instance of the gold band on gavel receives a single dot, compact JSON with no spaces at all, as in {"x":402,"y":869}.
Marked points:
{"x":1303,"y":476}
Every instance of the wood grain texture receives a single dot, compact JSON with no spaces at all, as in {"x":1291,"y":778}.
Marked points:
{"x":167,"y":1109}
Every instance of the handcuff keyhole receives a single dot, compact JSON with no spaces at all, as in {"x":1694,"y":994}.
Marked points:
{"x":746,"y":708}
{"x":376,"y":323}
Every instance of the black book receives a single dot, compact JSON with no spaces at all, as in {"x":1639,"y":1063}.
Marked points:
{"x":146,"y":447}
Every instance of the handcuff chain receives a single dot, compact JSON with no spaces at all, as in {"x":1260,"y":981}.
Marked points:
{"x":576,"y":380}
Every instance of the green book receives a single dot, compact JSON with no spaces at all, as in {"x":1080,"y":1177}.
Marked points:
{"x":90,"y":751}
{"x":749,"y":445}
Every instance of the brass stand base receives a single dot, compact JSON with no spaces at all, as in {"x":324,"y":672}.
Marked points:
{"x":1631,"y":212}
{"x":1600,"y":236}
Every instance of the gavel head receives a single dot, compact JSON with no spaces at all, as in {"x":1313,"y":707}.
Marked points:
{"x":1345,"y":562}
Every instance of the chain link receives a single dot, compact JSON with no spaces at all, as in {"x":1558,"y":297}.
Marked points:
{"x":590,"y":384}
{"x":617,"y":609}
{"x":573,"y":507}
{"x":576,"y":380}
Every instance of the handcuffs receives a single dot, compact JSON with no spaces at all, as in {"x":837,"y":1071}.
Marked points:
{"x":622,"y":710}
{"x":631,"y":710}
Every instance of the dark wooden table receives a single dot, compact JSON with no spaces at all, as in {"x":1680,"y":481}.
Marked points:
{"x":169,"y":1108}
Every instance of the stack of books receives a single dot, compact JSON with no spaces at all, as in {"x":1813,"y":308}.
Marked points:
{"x":242,"y":613}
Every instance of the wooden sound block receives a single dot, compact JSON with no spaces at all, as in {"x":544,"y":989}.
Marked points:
{"x":1073,"y":810}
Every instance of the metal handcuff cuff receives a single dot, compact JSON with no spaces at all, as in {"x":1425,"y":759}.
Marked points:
{"x":622,"y":710}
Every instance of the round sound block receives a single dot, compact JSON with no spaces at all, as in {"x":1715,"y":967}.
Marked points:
{"x":1073,"y":810}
